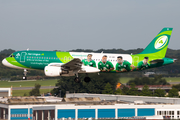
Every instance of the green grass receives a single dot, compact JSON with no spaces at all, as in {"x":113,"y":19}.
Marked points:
{"x":53,"y":82}
{"x":28,"y":83}
{"x":172,"y":79}
{"x":22,"y":92}
{"x":168,"y":79}
{"x":125,"y":79}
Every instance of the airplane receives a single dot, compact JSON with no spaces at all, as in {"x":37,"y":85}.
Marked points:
{"x":56,"y":63}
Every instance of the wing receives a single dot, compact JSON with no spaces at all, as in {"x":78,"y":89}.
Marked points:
{"x":74,"y":64}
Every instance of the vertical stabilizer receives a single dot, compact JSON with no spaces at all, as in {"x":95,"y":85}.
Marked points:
{"x":159,"y":44}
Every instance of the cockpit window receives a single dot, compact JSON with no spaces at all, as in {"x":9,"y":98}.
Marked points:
{"x":12,"y":55}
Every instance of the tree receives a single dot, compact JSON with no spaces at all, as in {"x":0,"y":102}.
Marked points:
{"x":157,"y":80}
{"x":55,"y":92}
{"x":159,"y":93}
{"x":176,"y":86}
{"x":108,"y":89}
{"x":125,"y":90}
{"x":160,"y":81}
{"x":7,"y":51}
{"x":119,"y":91}
{"x":25,"y":94}
{"x":145,"y":91}
{"x":96,"y":85}
{"x":133,"y":90}
{"x":173,"y":92}
{"x":35,"y":91}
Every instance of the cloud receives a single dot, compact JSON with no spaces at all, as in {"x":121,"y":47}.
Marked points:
{"x":66,"y":25}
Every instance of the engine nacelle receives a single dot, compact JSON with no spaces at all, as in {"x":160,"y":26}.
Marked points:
{"x":52,"y":71}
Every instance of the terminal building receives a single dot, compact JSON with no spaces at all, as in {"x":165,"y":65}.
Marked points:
{"x":89,"y":106}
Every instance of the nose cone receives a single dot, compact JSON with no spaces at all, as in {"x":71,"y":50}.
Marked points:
{"x":4,"y":62}
{"x":8,"y":63}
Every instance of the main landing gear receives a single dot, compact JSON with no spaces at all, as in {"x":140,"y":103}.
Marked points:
{"x":78,"y":80}
{"x":25,"y":73}
{"x":87,"y":78}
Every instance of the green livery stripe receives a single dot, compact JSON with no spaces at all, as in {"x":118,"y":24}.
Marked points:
{"x":165,"y":33}
{"x":139,"y":57}
{"x":12,"y":61}
{"x":64,"y":56}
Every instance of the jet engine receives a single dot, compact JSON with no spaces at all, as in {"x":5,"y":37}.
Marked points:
{"x":53,"y":71}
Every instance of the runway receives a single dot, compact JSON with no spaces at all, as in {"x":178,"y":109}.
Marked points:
{"x":29,"y":88}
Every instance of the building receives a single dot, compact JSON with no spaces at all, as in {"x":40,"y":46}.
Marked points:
{"x":52,"y":108}
{"x":5,"y":92}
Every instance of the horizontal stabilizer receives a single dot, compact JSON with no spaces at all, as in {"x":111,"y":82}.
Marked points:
{"x":157,"y":61}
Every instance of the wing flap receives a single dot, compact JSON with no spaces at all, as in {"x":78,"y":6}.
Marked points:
{"x":74,"y":64}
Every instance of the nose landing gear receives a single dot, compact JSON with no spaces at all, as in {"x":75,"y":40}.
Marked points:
{"x":25,"y":73}
{"x":87,"y":79}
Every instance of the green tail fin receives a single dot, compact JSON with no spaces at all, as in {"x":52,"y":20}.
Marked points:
{"x":159,"y":44}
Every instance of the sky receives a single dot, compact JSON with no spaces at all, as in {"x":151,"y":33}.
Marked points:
{"x":86,"y":24}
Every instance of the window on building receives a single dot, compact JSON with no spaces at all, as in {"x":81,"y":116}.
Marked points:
{"x":169,"y":112}
{"x":160,"y":113}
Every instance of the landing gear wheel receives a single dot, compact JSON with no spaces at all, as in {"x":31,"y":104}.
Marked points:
{"x":77,"y":80}
{"x":24,"y":78}
{"x":25,"y":73}
{"x":87,"y":79}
